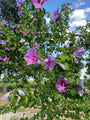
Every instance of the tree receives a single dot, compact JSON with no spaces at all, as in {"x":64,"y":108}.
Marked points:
{"x":39,"y":50}
{"x":9,"y":11}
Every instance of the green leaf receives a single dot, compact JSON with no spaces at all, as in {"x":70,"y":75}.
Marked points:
{"x":73,"y":92}
{"x":42,"y":63}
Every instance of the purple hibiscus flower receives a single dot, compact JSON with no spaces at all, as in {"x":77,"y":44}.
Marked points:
{"x":75,"y":59}
{"x":5,"y":96}
{"x":38,"y":63}
{"x":36,"y":44}
{"x":50,"y":63}
{"x":82,"y":84}
{"x":61,"y":84}
{"x":78,"y":88}
{"x":34,"y":33}
{"x":12,"y":27}
{"x":4,"y":59}
{"x":18,"y":5}
{"x":17,"y":69}
{"x":55,"y":14}
{"x":4,"y":22}
{"x":38,"y":3}
{"x":25,"y":32}
{"x":19,"y":13}
{"x":20,"y":1}
{"x":3,"y":42}
{"x":6,"y":48}
{"x":62,"y":66}
{"x":80,"y":92}
{"x":31,"y":57}
{"x":35,"y":19}
{"x":21,"y":93}
{"x":79,"y":52}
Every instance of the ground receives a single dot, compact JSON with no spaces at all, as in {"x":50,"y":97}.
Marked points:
{"x":16,"y":116}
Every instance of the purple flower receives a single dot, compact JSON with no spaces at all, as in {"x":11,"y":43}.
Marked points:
{"x":58,"y":18}
{"x":19,"y":13}
{"x":36,"y":44}
{"x":31,"y":57}
{"x":61,"y":84}
{"x":55,"y":14}
{"x":62,"y":66}
{"x":79,"y":52}
{"x":50,"y":63}
{"x":38,"y":3}
{"x":4,"y":59}
{"x":21,"y":93}
{"x":80,"y":92}
{"x":5,"y":96}
{"x":35,"y":19}
{"x":18,"y":5}
{"x":20,"y":1}
{"x":75,"y":59}
{"x":78,"y":88}
{"x":25,"y":32}
{"x":38,"y":63}
{"x":3,"y":42}
{"x":4,"y":22}
{"x":34,"y":33}
{"x":6,"y":48}
{"x":82,"y":84}
{"x":12,"y":27}
{"x":17,"y":69}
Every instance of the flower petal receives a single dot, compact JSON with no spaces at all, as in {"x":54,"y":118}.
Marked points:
{"x":5,"y":96}
{"x":21,"y":93}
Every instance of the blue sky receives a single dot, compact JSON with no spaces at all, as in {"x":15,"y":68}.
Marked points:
{"x":78,"y":16}
{"x":52,"y":5}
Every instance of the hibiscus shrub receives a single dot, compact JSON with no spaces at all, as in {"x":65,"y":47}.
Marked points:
{"x":38,"y":49}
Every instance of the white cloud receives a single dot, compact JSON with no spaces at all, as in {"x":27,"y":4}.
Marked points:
{"x":78,"y":14}
{"x":78,"y":17}
{"x":79,"y":3}
{"x":78,"y":23}
{"x":87,"y":10}
{"x":47,"y":20}
{"x":83,"y":73}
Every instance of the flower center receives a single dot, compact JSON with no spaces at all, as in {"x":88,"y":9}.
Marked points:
{"x":33,"y":57}
{"x":41,"y":2}
{"x":63,"y":83}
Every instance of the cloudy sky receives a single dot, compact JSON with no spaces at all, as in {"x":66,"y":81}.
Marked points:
{"x":78,"y":16}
